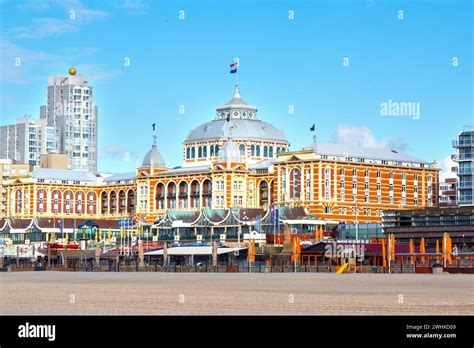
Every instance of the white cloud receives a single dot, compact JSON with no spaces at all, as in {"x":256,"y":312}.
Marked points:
{"x":445,"y":165}
{"x":97,"y":72}
{"x":27,"y":60}
{"x":84,"y":15}
{"x":135,"y":7}
{"x":116,"y":151}
{"x":32,"y":60}
{"x":42,"y":28}
{"x":75,"y":16}
{"x":363,"y":136}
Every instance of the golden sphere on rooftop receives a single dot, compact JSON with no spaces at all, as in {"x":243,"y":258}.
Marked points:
{"x":72,"y":71}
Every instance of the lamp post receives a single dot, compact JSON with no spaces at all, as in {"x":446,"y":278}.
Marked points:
{"x":245,"y":219}
{"x":357,"y":220}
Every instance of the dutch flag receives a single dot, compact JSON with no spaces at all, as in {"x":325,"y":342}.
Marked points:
{"x":233,"y":68}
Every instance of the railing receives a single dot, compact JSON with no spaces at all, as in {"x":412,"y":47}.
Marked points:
{"x":462,"y":156}
{"x":465,"y":185}
{"x":457,"y":143}
{"x":467,"y":170}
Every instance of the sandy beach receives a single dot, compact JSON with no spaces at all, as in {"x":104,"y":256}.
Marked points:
{"x":44,"y":293}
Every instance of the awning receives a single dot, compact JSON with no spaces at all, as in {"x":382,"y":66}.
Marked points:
{"x":310,"y":222}
{"x":193,"y":250}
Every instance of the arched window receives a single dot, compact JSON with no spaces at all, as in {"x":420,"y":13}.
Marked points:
{"x":270,"y":151}
{"x":204,"y":151}
{"x":217,"y":150}
{"x":193,"y":152}
{"x":295,"y":183}
{"x":265,"y":151}
{"x":278,"y":149}
{"x":211,"y":151}
{"x":283,"y":149}
{"x":188,"y":153}
{"x":242,"y":150}
{"x":257,"y":150}
{"x":200,"y":152}
{"x":252,"y":150}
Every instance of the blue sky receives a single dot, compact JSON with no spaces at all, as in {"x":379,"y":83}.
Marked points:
{"x":283,"y":61}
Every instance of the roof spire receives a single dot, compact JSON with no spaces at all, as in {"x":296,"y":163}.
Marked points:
{"x":237,"y":93}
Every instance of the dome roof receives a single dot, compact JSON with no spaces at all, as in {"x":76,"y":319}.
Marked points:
{"x":229,"y":152}
{"x":245,"y":125}
{"x":153,"y":158}
{"x":241,"y":129}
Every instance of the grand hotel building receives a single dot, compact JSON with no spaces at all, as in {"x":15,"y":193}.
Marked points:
{"x":234,"y":161}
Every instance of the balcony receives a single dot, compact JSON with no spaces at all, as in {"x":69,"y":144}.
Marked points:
{"x":467,"y":170}
{"x":206,"y":192}
{"x":462,"y":156}
{"x":463,"y":143}
{"x":194,"y":193}
{"x":171,"y":195}
{"x":160,"y":196}
{"x":183,"y":194}
{"x":465,"y":184}
{"x":465,"y":200}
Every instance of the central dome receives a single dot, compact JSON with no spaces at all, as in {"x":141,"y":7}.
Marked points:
{"x":242,"y":129}
{"x":245,"y":124}
{"x":237,"y":119}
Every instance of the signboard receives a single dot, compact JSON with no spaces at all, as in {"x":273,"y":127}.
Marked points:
{"x":176,"y":238}
{"x":113,"y":240}
{"x":223,"y":237}
{"x":27,"y":241}
{"x":155,"y":238}
{"x":125,"y":222}
{"x":134,"y":238}
{"x":139,"y":241}
{"x":83,"y":244}
{"x":199,"y":237}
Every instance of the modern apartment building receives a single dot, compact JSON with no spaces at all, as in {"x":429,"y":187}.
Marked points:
{"x":447,"y":192}
{"x":26,"y":140}
{"x":464,"y":145}
{"x":70,"y":109}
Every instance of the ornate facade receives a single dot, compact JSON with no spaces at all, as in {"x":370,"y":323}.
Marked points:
{"x":236,"y":161}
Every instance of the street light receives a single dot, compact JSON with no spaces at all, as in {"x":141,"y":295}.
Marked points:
{"x":357,"y":220}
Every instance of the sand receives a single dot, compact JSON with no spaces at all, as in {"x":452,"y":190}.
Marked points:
{"x":45,"y":293}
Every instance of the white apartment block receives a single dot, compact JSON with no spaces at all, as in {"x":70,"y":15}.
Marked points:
{"x":70,"y":109}
{"x":26,"y":140}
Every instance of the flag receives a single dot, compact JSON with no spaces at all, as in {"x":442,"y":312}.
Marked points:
{"x":313,"y":128}
{"x":153,"y":125}
{"x":233,"y":68}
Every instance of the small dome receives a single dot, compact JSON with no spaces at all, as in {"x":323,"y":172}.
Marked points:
{"x":229,"y":152}
{"x":153,"y":158}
